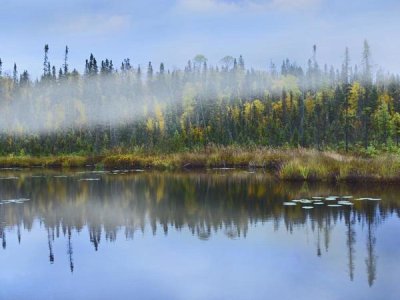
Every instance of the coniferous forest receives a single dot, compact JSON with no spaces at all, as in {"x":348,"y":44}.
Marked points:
{"x":126,"y":107}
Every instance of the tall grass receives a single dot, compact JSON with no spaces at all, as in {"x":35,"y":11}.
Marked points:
{"x":294,"y":164}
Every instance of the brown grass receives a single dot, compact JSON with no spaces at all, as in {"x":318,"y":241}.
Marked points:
{"x":295,"y":164}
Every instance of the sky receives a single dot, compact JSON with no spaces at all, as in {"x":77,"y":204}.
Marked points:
{"x":174,"y":31}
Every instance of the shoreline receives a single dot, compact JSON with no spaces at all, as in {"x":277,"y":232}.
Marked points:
{"x":290,"y":165}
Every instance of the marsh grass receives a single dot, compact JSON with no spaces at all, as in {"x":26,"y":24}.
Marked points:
{"x":46,"y":161}
{"x":295,"y":164}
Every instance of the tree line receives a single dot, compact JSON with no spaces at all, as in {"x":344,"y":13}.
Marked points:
{"x":107,"y":107}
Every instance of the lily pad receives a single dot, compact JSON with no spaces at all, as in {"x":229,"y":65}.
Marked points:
{"x":331,"y":198}
{"x":305,"y":201}
{"x":345,"y":203}
{"x":319,"y":203}
{"x":307,"y":207}
{"x":9,"y":178}
{"x":334,"y":205}
{"x":289,"y":204}
{"x":369,"y":199}
{"x":18,"y":201}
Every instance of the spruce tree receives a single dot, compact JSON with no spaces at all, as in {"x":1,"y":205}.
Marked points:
{"x":66,"y":61}
{"x":150,"y":71}
{"x":46,"y":70}
{"x":15,"y":74}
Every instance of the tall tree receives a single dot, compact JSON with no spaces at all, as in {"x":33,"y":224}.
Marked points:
{"x":15,"y":74}
{"x":241,"y":63}
{"x":24,"y":78}
{"x":162,"y":69}
{"x":198,"y":61}
{"x":366,"y":63}
{"x":66,"y":60}
{"x":46,"y":64}
{"x":346,"y":88}
{"x":150,"y":71}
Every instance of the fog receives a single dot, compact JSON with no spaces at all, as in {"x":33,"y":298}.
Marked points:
{"x":116,"y":97}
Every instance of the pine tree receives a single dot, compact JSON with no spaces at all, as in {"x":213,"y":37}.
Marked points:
{"x":346,"y":89}
{"x":15,"y":74}
{"x":346,"y":67}
{"x":150,"y":71}
{"x":66,"y":61}
{"x":53,"y":73}
{"x":162,"y":69}
{"x":24,"y":78}
{"x":46,"y":69}
{"x":235,"y":65}
{"x":366,"y":63}
{"x":241,"y":63}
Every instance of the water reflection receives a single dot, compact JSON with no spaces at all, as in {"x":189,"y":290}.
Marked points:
{"x":121,"y":204}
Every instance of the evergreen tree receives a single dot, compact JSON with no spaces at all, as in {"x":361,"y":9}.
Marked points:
{"x":53,"y":73}
{"x":241,"y":63}
{"x":150,"y":71}
{"x":15,"y":74}
{"x":24,"y":78}
{"x":46,"y":64}
{"x":366,"y":63}
{"x":162,"y":69}
{"x":66,"y":61}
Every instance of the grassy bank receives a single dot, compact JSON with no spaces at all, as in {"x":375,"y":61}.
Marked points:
{"x":297,"y":164}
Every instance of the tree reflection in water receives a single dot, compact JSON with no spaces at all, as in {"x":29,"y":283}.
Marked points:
{"x":203,"y":202}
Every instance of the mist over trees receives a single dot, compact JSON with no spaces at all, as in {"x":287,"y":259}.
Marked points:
{"x":126,"y":108}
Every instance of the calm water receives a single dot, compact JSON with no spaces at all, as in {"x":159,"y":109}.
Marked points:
{"x":208,"y":235}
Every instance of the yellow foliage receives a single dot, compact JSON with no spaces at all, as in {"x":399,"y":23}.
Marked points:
{"x":160,"y":117}
{"x":309,"y":104}
{"x":247,"y":110}
{"x":385,"y":98}
{"x":150,"y":124}
{"x":277,"y":107}
{"x":356,"y":92}
{"x":235,"y":113}
{"x":259,"y":106}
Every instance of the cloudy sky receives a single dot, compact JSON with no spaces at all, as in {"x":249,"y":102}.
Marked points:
{"x":174,"y":31}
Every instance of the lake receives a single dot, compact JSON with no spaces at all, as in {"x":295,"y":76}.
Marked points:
{"x":213,"y":234}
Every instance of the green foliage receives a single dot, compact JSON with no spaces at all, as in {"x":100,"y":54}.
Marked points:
{"x":192,"y":109}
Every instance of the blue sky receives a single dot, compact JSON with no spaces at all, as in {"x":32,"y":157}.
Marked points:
{"x":176,"y":30}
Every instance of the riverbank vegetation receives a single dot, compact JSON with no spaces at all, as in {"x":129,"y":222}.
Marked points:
{"x":290,"y":164}
{"x":206,"y":116}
